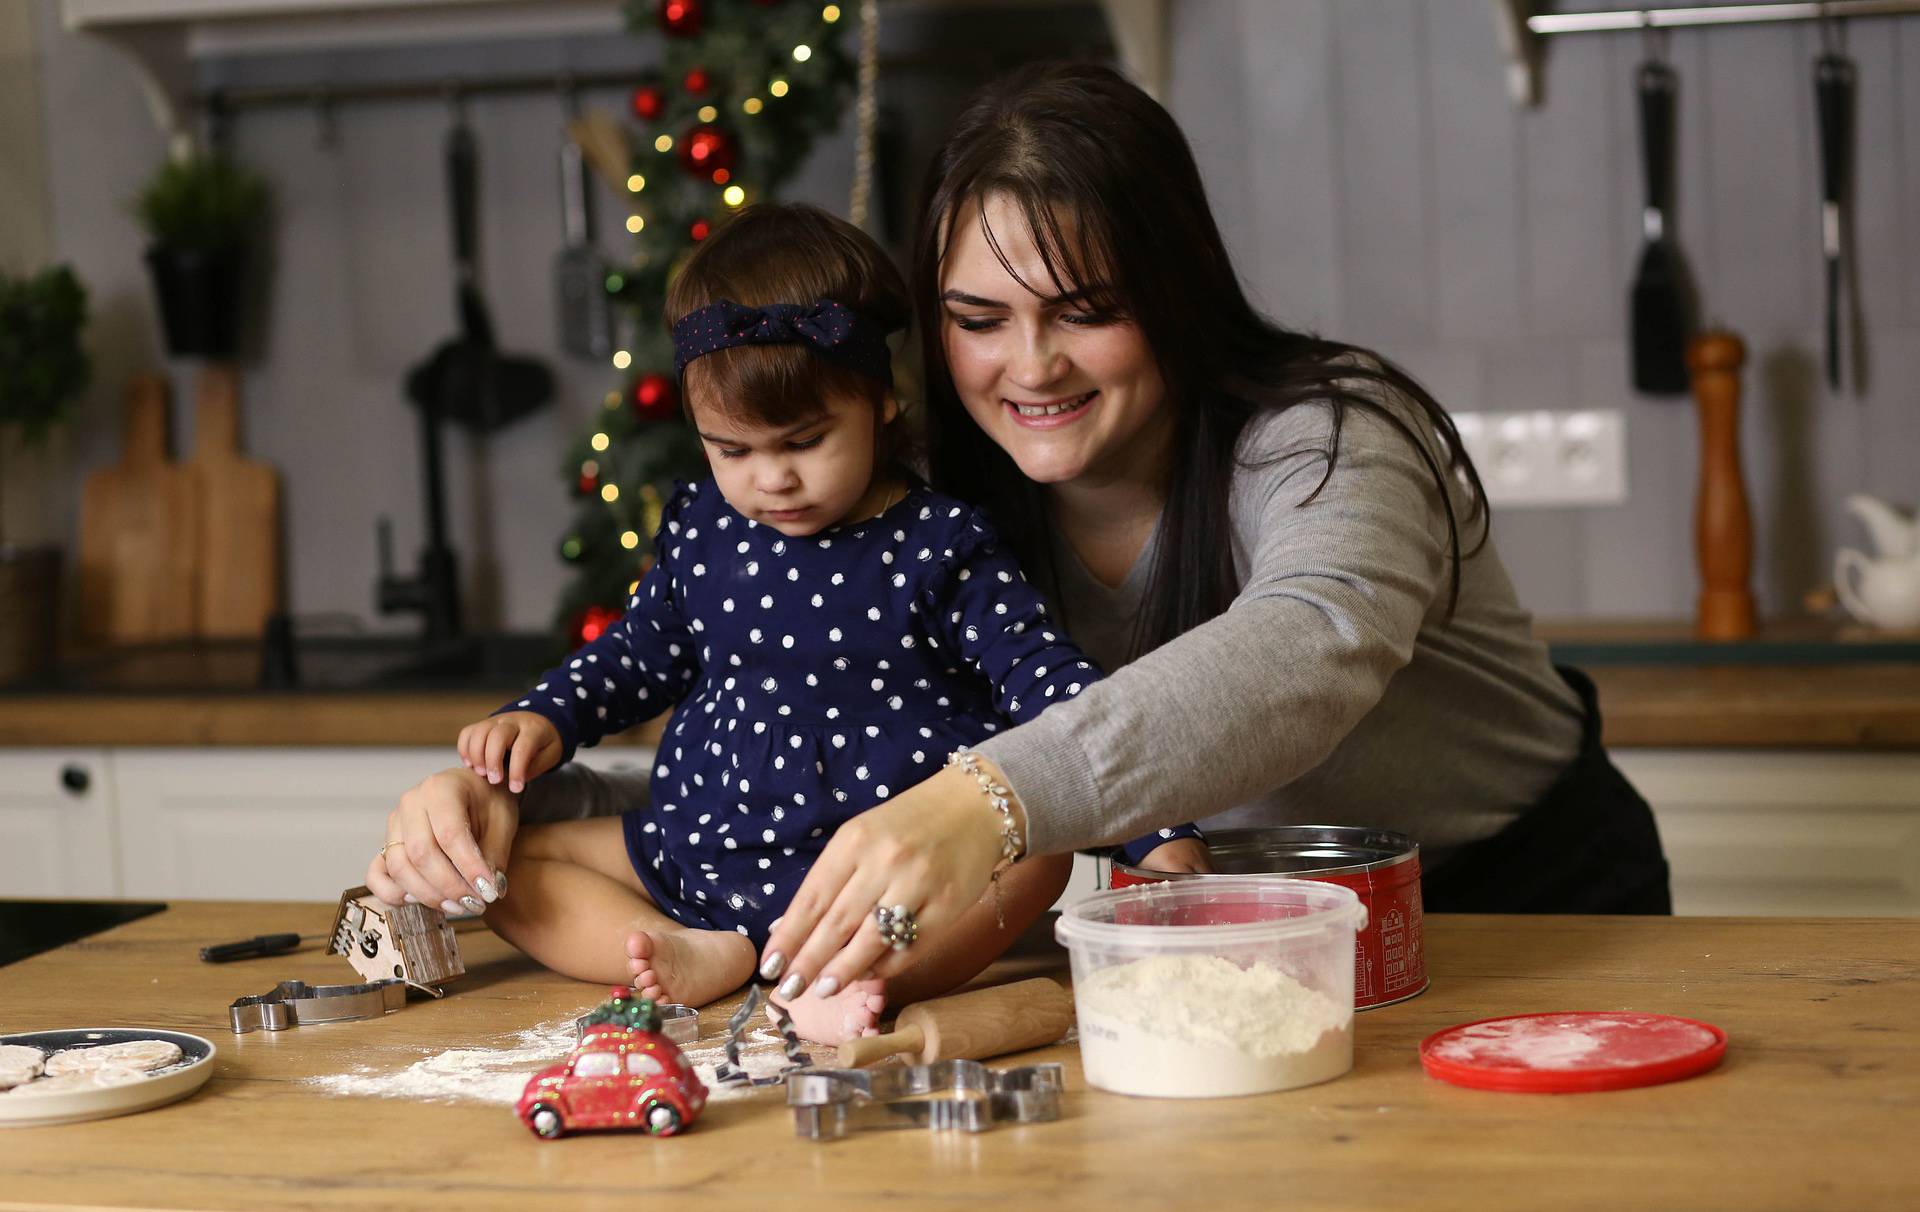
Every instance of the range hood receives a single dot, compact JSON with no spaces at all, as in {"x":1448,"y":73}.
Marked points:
{"x":166,"y":37}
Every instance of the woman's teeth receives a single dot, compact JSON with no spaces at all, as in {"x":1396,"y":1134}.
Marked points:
{"x":1052,"y":410}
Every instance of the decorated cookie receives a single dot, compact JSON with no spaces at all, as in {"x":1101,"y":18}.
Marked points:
{"x":134,"y":1054}
{"x":19,"y":1064}
{"x":88,"y":1079}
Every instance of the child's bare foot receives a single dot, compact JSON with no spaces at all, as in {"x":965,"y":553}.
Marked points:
{"x":848,"y":1014}
{"x":691,"y":967}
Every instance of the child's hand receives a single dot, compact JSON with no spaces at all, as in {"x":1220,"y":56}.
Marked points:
{"x":1188,"y":854}
{"x":524,"y":742}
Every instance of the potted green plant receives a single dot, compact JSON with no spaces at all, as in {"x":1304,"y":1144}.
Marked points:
{"x":43,"y":368}
{"x":201,"y":212}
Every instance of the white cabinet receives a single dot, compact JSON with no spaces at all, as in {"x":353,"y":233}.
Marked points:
{"x":1785,"y":832}
{"x":57,"y":829}
{"x":207,"y":824}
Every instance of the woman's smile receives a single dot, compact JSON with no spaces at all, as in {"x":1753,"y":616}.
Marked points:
{"x":1055,"y":411}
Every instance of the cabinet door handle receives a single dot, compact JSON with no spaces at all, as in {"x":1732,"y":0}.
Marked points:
{"x":76,"y":779}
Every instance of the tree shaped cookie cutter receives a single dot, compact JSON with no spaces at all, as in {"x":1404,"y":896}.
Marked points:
{"x":730,"y":1072}
{"x":960,"y":1095}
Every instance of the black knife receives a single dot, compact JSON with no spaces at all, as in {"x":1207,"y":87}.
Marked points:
{"x":1833,"y":94}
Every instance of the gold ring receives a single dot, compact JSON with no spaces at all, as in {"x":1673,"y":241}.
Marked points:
{"x":382,"y":853}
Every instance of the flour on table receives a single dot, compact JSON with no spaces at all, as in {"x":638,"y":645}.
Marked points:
{"x":498,"y":1075}
{"x":1202,"y":1026}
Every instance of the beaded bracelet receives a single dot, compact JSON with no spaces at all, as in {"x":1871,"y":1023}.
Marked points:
{"x":1012,"y":845}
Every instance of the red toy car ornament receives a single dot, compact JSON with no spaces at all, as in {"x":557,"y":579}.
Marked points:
{"x":624,"y":1073}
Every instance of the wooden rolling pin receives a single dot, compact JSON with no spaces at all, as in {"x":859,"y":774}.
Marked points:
{"x":970,"y":1026}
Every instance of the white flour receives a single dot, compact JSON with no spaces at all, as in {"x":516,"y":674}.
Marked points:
{"x":1203,"y":1027}
{"x":497,"y":1075}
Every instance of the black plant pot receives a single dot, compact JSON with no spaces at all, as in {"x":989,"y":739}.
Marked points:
{"x":200,"y":298}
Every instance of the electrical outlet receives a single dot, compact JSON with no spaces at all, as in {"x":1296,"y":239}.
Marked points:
{"x":1546,"y":458}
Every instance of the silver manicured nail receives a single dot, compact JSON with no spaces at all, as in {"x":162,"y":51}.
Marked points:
{"x":792,"y":986}
{"x":453,"y":907}
{"x":773,"y":966}
{"x":500,"y":881}
{"x":488,"y":892}
{"x":473,"y":904}
{"x":827,"y":987}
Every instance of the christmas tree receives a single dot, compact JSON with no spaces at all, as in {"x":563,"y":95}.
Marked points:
{"x":746,"y":88}
{"x":623,"y":1009}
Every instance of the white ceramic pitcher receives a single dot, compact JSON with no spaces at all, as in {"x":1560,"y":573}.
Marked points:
{"x":1888,"y":591}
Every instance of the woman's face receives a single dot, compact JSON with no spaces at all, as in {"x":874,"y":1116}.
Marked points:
{"x":1071,"y":395}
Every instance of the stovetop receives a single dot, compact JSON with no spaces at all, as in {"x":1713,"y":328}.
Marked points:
{"x":31,"y":927}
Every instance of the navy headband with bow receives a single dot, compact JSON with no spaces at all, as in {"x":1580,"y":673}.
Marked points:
{"x":836,"y":332}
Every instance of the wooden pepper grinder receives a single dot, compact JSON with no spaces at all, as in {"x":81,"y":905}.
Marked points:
{"x":1722,"y":524}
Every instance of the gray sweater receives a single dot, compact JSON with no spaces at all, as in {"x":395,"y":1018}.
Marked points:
{"x":1334,"y":690}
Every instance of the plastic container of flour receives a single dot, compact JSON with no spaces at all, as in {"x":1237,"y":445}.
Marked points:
{"x":1214,"y":988}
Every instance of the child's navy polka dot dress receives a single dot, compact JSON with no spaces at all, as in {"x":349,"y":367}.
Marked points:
{"x":815,"y":677}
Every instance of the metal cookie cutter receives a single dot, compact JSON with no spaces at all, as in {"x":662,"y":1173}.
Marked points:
{"x":730,"y":1072}
{"x":297,"y":1004}
{"x":679,"y":1023}
{"x":961,"y":1094}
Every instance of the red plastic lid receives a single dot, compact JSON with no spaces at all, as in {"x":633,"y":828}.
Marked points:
{"x":1574,"y":1050}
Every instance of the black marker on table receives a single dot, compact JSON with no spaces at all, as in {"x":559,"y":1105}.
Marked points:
{"x":252,"y":948}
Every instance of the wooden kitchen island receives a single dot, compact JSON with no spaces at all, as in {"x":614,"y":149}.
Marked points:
{"x":1816,"y":1105}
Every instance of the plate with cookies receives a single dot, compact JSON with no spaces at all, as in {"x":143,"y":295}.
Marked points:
{"x":61,"y":1077}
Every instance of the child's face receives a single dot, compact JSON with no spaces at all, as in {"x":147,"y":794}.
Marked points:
{"x":800,"y":478}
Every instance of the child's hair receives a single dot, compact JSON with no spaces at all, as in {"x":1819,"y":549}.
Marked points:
{"x":787,"y":252}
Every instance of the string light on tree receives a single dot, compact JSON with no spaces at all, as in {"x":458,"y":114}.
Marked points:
{"x":736,"y":113}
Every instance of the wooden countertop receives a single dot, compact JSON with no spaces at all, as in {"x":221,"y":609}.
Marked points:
{"x":1656,"y":689}
{"x":1814,"y":1105}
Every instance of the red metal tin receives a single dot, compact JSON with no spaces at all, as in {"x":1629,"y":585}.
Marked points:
{"x":1389,"y":954}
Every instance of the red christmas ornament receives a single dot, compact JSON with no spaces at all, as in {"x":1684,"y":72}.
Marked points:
{"x":649,"y":101}
{"x":681,"y":18}
{"x":698,"y":80}
{"x":588,"y":484}
{"x":706,"y":149}
{"x":591,"y":623}
{"x":699,"y":230}
{"x":656,"y":397}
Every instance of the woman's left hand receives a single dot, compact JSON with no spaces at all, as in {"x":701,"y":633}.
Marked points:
{"x":931,"y":848}
{"x":1188,"y":855}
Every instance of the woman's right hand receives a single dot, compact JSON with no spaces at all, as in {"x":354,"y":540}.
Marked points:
{"x":932,"y":848}
{"x":518,"y":746}
{"x":447,"y":843}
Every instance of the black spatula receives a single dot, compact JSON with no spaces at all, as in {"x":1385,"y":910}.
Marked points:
{"x":1659,"y":323}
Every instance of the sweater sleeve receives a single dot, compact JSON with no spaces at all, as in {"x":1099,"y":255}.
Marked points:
{"x":985,"y":610}
{"x":982,"y":609}
{"x":1336,"y":584}
{"x":640,"y":666}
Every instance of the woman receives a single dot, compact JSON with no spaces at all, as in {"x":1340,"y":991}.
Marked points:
{"x":1283,"y":530}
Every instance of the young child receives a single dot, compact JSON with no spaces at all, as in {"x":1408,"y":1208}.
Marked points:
{"x":829,"y":628}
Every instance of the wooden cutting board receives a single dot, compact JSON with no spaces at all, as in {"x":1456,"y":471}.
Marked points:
{"x":138,"y":532}
{"x":240,"y":520}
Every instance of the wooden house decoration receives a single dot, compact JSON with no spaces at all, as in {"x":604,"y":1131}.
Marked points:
{"x":412,"y":943}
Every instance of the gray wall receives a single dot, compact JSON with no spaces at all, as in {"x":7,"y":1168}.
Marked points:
{"x":1371,"y":176}
{"x":1376,"y":185}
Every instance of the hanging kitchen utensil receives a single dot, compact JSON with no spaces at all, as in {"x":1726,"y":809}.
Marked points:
{"x":1833,"y":78}
{"x":467,"y":380}
{"x":580,"y":277}
{"x":1658,"y":310}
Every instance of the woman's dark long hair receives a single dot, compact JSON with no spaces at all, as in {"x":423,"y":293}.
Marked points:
{"x":1108,"y":187}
